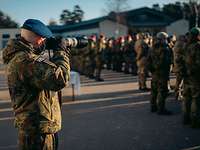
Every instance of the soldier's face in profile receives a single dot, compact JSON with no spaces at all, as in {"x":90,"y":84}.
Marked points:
{"x":39,"y":41}
{"x":198,"y":37}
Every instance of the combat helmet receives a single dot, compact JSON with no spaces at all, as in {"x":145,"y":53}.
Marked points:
{"x":162,"y":35}
{"x":195,"y":31}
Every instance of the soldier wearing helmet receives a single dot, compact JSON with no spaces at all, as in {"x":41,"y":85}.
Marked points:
{"x":141,"y":49}
{"x":191,"y":91}
{"x":158,"y":64}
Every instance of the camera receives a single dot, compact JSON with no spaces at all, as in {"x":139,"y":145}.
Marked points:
{"x":76,"y":42}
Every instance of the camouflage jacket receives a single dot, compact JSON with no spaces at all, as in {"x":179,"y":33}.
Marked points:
{"x":179,"y":50}
{"x":141,"y":49}
{"x":192,"y":62}
{"x":33,"y":84}
{"x":158,"y":62}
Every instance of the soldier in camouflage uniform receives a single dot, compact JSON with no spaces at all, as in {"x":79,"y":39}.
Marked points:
{"x":191,"y":93}
{"x":90,"y":63}
{"x":99,"y":59}
{"x":142,"y":48}
{"x":178,"y":51}
{"x":119,"y":53}
{"x":129,"y":55}
{"x":33,"y":84}
{"x":109,"y":53}
{"x":114,"y":53}
{"x":158,"y":65}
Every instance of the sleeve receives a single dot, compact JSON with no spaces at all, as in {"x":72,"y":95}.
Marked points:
{"x":49,"y":75}
{"x":150,"y":62}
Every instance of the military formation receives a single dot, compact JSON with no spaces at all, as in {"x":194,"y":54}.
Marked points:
{"x":36,"y":100}
{"x":157,"y":57}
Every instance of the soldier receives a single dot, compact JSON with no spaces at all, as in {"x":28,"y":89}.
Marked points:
{"x":129,"y":55}
{"x":119,"y":53}
{"x":90,"y":61}
{"x":142,"y":48}
{"x":99,"y":59}
{"x":115,"y":55}
{"x":158,"y":65}
{"x":191,"y":93}
{"x":33,"y":84}
{"x":109,"y":53}
{"x":178,"y":62}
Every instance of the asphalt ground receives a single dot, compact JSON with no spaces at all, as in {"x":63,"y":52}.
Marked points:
{"x":109,"y":115}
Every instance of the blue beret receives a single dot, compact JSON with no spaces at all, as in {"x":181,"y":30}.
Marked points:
{"x":37,"y":27}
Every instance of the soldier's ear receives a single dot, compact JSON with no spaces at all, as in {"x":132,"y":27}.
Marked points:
{"x":40,"y":40}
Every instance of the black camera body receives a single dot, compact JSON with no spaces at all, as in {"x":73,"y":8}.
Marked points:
{"x":76,"y":42}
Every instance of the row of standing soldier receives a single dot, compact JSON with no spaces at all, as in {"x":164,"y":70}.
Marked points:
{"x":118,"y":54}
{"x":125,"y":54}
{"x":142,"y":54}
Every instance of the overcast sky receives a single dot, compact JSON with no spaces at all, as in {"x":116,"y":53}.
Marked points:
{"x":20,"y":10}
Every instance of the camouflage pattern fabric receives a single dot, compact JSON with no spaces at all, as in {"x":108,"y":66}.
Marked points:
{"x":191,"y":92}
{"x":158,"y":65}
{"x":33,"y":85}
{"x":141,"y":49}
{"x":37,"y":141}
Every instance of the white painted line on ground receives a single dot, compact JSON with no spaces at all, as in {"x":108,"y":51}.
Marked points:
{"x":193,"y":148}
{"x":8,"y":147}
{"x":5,"y":101}
{"x":103,"y":99}
{"x":5,"y":109}
{"x":6,"y":118}
{"x":127,"y":105}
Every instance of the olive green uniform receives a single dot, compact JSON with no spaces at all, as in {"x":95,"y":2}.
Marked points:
{"x":158,"y":65}
{"x":191,"y":92}
{"x":178,"y":50}
{"x":33,"y":83}
{"x":141,"y":49}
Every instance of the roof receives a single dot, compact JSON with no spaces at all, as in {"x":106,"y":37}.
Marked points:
{"x":142,"y":17}
{"x":88,"y":24}
{"x":147,"y":17}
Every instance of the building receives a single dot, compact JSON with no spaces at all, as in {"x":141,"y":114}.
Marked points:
{"x":146,"y":20}
{"x":133,"y":21}
{"x":114,"y":25}
{"x":103,"y":25}
{"x":6,"y":34}
{"x":178,"y":27}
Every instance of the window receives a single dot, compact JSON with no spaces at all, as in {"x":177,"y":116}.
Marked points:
{"x":142,"y":17}
{"x":17,"y":35}
{"x":6,"y":36}
{"x":4,"y":42}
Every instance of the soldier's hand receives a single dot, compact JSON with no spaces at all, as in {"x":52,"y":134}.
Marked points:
{"x":54,"y":43}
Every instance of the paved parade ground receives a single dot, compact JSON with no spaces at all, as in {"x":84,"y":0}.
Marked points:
{"x":110,"y":115}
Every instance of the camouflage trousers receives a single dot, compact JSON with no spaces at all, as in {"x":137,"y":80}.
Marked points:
{"x":37,"y":141}
{"x":191,"y":104}
{"x":98,"y":67}
{"x":177,"y":85}
{"x":158,"y":94}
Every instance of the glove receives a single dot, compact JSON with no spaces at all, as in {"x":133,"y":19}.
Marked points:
{"x":54,"y":43}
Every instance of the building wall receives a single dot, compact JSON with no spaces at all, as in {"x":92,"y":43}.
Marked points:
{"x":6,"y":34}
{"x":112,"y":29}
{"x":151,"y":30}
{"x":86,"y":32}
{"x":108,"y":28}
{"x":179,"y":27}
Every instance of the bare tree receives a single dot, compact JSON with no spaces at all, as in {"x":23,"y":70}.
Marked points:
{"x":52,"y":22}
{"x":194,"y":7}
{"x":116,"y":5}
{"x":113,"y":9}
